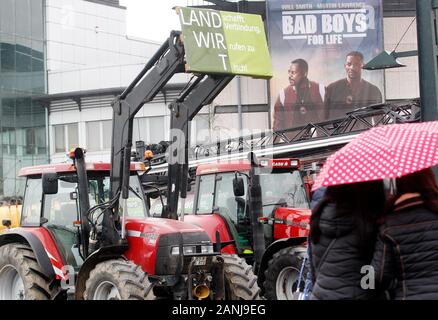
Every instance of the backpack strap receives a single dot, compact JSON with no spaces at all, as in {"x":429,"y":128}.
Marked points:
{"x":324,"y":256}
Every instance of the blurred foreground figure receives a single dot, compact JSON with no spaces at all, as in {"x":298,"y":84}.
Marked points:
{"x":342,"y":235}
{"x":405,"y":260}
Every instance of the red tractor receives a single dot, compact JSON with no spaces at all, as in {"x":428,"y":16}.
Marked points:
{"x":262,"y":212}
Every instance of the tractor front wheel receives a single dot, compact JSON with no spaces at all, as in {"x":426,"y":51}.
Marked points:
{"x":282,"y":276}
{"x":118,"y":280}
{"x":21,"y":277}
{"x":240,"y":280}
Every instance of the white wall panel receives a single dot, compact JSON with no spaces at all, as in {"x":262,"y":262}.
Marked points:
{"x":401,"y":83}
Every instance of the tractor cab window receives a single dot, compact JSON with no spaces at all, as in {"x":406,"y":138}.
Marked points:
{"x":31,"y":212}
{"x":60,"y":212}
{"x":60,"y":209}
{"x":225,"y":200}
{"x":283,"y":190}
{"x":206,"y":194}
{"x":99,"y":193}
{"x":157,"y":208}
{"x":136,"y":200}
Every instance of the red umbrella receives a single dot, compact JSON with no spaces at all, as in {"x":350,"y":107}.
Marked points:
{"x":388,"y":151}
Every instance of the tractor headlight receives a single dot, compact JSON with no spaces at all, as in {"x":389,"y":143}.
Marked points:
{"x":175,"y":251}
{"x":189,"y":250}
{"x":207,"y":249}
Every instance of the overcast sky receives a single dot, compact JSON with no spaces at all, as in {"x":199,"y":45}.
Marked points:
{"x":152,"y":19}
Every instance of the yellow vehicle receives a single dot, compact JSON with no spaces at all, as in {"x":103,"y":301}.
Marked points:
{"x":10,"y":212}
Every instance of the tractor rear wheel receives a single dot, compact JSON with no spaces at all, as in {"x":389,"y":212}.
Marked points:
{"x":283,"y":273}
{"x":118,"y":280}
{"x":240,"y":280}
{"x":21,"y":277}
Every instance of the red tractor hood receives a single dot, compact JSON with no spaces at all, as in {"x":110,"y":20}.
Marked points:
{"x":212,"y":223}
{"x":160,"y":226}
{"x":291,"y":222}
{"x":151,"y":241}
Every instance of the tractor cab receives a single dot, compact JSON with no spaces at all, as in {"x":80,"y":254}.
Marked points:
{"x":57,"y":210}
{"x":222,"y":189}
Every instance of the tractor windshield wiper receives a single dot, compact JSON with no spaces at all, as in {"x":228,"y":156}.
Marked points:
{"x":275,"y":204}
{"x":135,"y":192}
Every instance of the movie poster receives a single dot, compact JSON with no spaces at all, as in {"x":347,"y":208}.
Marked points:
{"x":318,"y":48}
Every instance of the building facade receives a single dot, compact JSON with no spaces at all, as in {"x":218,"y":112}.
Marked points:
{"x":90,"y":59}
{"x":22,"y":76}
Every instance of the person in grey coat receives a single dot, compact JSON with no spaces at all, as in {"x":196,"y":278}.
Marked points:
{"x":406,"y":255}
{"x":343,"y":230}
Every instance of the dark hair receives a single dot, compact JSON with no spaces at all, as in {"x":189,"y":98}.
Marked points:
{"x":364,"y":201}
{"x":304,"y":66}
{"x":422,"y":182}
{"x":355,"y":54}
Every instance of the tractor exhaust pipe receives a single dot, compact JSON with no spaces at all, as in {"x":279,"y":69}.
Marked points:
{"x":84,"y":200}
{"x":201,"y":291}
{"x":256,"y":211}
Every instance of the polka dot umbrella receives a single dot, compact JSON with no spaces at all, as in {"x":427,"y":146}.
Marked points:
{"x":388,"y":151}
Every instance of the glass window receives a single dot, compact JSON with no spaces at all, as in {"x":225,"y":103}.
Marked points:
{"x":37,"y":65}
{"x":225,"y":199}
{"x":30,"y":141}
{"x":22,"y":56}
{"x":60,"y":209}
{"x":156,"y":207}
{"x":73,"y":136}
{"x":40,"y":138}
{"x":139,"y":130}
{"x":7,"y":56}
{"x":37,"y":22}
{"x":31,"y":212}
{"x":38,"y":49}
{"x":63,"y":142}
{"x":202,"y":129}
{"x":107,"y":133}
{"x":93,"y":136}
{"x":8,"y":137}
{"x":7,"y":16}
{"x":59,"y":138}
{"x":24,"y":63}
{"x":22,"y":18}
{"x":38,"y":115}
{"x":99,"y":193}
{"x":156,"y":129}
{"x":12,"y":141}
{"x":206,"y":194}
{"x":283,"y":189}
{"x":61,"y":212}
{"x":23,"y":112}
{"x":136,"y":204}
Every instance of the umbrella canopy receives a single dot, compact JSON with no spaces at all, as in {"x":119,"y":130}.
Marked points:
{"x":389,"y":151}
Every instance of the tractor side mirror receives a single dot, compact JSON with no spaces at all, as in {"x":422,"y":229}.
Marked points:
{"x":50,"y":183}
{"x":238,"y":187}
{"x":308,"y":188}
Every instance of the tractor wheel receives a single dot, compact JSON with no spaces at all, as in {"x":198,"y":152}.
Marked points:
{"x":283,"y":272}
{"x":240,"y":280}
{"x":21,"y":277}
{"x":118,"y":280}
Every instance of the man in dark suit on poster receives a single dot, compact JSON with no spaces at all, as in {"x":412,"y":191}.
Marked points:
{"x":352,"y":92}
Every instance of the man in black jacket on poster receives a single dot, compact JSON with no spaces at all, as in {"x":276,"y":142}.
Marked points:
{"x":352,"y":92}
